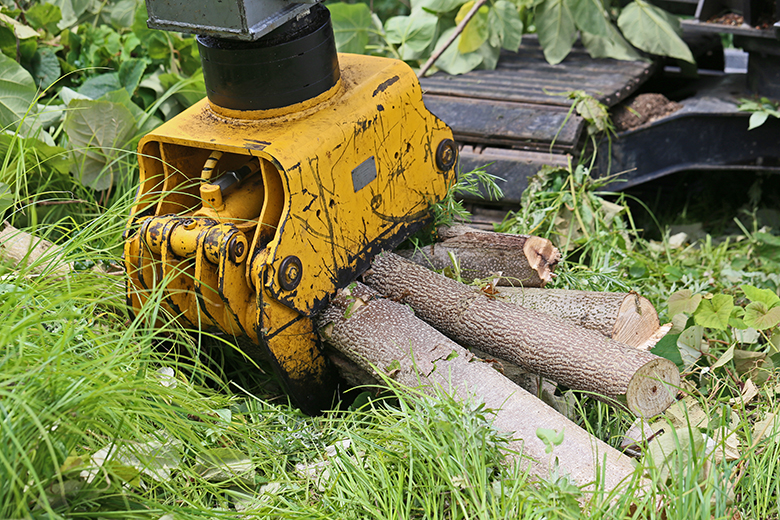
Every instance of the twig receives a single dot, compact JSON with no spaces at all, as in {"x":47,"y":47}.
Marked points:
{"x":56,"y":202}
{"x":459,"y":29}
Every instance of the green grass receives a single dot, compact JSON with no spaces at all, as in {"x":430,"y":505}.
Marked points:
{"x":92,"y":424}
{"x":79,"y":377}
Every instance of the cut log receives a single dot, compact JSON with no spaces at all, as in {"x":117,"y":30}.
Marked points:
{"x":579,"y":358}
{"x":522,"y":260}
{"x":382,"y":335}
{"x":624,"y":317}
{"x":21,"y":249}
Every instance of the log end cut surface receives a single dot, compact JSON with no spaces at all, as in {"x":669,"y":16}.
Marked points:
{"x":653,"y":387}
{"x":636,"y":322}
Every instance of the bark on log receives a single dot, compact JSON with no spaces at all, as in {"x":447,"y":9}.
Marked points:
{"x":624,"y":317}
{"x":22,"y":249}
{"x":578,"y":358}
{"x":521,"y":259}
{"x":377,"y":333}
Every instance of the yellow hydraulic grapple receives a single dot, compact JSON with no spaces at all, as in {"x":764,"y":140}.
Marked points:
{"x":259,"y":202}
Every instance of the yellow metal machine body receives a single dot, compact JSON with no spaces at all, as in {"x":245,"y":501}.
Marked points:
{"x":249,"y":221}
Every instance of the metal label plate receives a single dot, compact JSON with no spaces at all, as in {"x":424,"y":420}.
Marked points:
{"x":363,"y":174}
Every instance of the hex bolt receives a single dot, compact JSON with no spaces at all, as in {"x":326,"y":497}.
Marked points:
{"x":446,"y":154}
{"x":290,"y":273}
{"x":189,"y":224}
{"x":236,"y":249}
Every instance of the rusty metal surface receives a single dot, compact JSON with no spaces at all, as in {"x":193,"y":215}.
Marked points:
{"x":526,"y":77}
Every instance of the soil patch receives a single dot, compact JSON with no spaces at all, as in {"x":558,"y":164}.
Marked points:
{"x":733,"y":19}
{"x":642,"y":109}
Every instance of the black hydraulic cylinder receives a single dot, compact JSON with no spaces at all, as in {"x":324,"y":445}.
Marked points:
{"x":291,"y":64}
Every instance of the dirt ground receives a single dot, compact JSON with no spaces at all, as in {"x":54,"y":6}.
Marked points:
{"x":642,"y":109}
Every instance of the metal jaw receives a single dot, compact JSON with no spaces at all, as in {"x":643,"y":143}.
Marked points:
{"x":324,"y":187}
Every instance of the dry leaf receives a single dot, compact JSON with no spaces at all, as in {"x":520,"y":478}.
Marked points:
{"x":688,"y":411}
{"x":677,"y":240}
{"x":747,"y":360}
{"x":725,"y":445}
{"x":748,"y":393}
{"x":767,"y":428}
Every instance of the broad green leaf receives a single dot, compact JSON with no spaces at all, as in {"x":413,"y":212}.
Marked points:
{"x":139,"y":27}
{"x":352,"y":24}
{"x":590,"y":16}
{"x":130,"y":74}
{"x":714,"y":313}
{"x":761,"y":317}
{"x":667,"y":348}
{"x":44,"y":16}
{"x":414,"y":33}
{"x":157,"y":45}
{"x":653,"y":30}
{"x":437,"y":6}
{"x":97,"y":131}
{"x":122,"y":13}
{"x":17,"y":92}
{"x":97,"y":86}
{"x":735,"y":320}
{"x":690,"y":345}
{"x":130,"y":46}
{"x":454,"y":62}
{"x":506,"y":26}
{"x":767,"y":238}
{"x":556,"y":29}
{"x":757,"y":119}
{"x":476,"y":31}
{"x":144,"y":121}
{"x":489,"y":55}
{"x":768,"y":247}
{"x":765,"y":296}
{"x":68,"y":94}
{"x":45,"y":67}
{"x":683,"y":301}
{"x":71,"y":11}
{"x":21,"y":31}
{"x":12,"y":46}
{"x":614,"y":46}
{"x":637,"y":270}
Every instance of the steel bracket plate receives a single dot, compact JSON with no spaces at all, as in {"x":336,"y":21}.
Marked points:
{"x":235,"y":19}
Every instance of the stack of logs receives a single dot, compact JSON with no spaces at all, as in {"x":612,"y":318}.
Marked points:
{"x":408,"y":323}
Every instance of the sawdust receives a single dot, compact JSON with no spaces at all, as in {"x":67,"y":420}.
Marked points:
{"x":642,"y":109}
